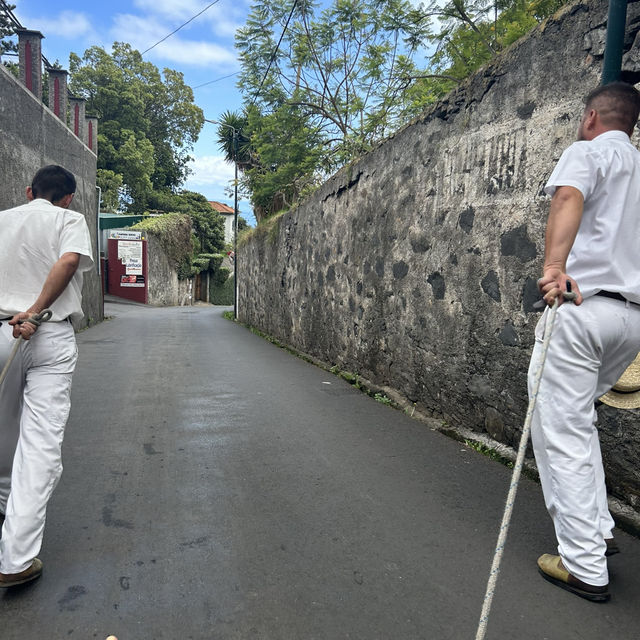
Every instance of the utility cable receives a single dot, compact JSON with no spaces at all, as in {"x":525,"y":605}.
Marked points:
{"x":180,"y":27}
{"x":204,"y":84}
{"x":273,"y":56}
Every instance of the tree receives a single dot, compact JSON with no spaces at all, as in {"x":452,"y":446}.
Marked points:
{"x":111,"y":185}
{"x":473,"y":31}
{"x":149,"y":121}
{"x":343,"y":78}
{"x":208,"y":225}
{"x":335,"y":86}
{"x":345,"y":68}
{"x":7,"y":29}
{"x":232,"y":133}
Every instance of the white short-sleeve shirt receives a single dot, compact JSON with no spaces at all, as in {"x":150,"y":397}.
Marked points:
{"x":33,"y":237}
{"x":606,"y":252}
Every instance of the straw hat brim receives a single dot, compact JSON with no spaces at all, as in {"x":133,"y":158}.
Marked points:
{"x":625,"y":393}
{"x":621,"y":400}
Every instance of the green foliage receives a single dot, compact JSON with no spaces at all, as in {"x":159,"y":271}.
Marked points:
{"x":148,"y":120}
{"x":173,"y":230}
{"x":208,"y":224}
{"x":220,"y":275}
{"x":334,"y":88}
{"x":110,"y":183}
{"x":232,"y":133}
{"x":214,"y":260}
{"x":7,"y":30}
{"x":382,"y":399}
{"x":200,"y":263}
{"x":288,"y":153}
{"x":346,"y":75}
{"x":221,"y":292}
{"x":473,"y":31}
{"x":489,"y":452}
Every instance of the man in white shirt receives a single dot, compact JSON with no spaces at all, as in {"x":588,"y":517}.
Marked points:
{"x":44,"y":249}
{"x":593,"y":242}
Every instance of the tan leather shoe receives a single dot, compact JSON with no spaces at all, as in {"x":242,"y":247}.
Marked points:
{"x":14,"y":579}
{"x":552,"y":569}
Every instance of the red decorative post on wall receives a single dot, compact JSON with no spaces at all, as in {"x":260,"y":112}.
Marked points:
{"x":30,"y":57}
{"x":77,"y":116}
{"x":91,"y":128}
{"x":58,"y":93}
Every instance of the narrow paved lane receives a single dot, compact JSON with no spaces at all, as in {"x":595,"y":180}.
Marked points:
{"x":216,"y":487}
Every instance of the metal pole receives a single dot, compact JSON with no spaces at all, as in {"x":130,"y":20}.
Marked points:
{"x":616,"y":24}
{"x":235,"y":226}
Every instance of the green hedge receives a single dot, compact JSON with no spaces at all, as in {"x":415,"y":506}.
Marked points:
{"x":221,"y":292}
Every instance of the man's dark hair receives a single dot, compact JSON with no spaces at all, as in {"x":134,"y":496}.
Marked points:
{"x":53,"y":183}
{"x":618,"y":104}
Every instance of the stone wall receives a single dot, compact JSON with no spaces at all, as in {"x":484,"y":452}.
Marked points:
{"x":164,"y":287}
{"x":31,"y":137}
{"x":415,"y":267}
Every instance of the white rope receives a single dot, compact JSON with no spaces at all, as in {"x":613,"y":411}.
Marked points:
{"x":517,"y":470}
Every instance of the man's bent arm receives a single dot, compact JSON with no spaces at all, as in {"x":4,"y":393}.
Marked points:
{"x":564,"y":219}
{"x":57,"y":280}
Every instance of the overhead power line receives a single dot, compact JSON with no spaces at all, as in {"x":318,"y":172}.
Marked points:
{"x":204,"y":84}
{"x":275,"y":52}
{"x":16,"y":23}
{"x":180,"y":27}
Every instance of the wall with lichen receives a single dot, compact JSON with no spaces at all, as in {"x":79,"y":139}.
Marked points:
{"x":415,"y":267}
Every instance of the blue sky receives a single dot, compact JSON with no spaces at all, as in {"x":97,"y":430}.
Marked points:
{"x":203,"y":51}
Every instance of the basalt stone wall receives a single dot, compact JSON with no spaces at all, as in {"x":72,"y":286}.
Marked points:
{"x":416,"y":266}
{"x":164,"y":287}
{"x":31,"y":137}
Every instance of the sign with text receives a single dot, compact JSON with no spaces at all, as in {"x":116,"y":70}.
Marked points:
{"x":120,"y":234}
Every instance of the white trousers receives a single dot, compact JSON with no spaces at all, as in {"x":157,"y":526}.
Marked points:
{"x":590,"y":348}
{"x":34,"y":407}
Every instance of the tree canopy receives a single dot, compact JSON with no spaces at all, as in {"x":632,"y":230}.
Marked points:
{"x":208,"y":225}
{"x":347,"y":75}
{"x":7,"y":29}
{"x":148,"y":122}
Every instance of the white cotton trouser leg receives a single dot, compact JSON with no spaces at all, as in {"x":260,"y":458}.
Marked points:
{"x":591,"y":346}
{"x":10,"y":409}
{"x":49,"y":359}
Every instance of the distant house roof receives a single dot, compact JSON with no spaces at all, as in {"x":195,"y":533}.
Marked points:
{"x":220,"y":208}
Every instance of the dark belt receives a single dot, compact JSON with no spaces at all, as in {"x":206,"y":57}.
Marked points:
{"x":614,"y":295}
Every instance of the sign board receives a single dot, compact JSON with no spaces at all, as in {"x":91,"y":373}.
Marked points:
{"x":130,"y":255}
{"x":120,"y":234}
{"x":132,"y":281}
{"x":127,"y":266}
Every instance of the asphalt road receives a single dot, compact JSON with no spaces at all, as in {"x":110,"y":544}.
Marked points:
{"x":217,"y":487}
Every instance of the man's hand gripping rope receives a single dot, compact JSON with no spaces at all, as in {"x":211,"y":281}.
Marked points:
{"x":35,"y":321}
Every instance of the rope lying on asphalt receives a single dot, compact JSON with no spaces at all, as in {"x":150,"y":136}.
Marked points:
{"x":36,"y":320}
{"x":517,"y":470}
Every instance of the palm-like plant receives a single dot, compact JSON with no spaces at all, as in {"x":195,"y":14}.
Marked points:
{"x":230,"y":125}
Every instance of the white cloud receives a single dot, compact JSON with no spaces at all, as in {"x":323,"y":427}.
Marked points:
{"x":142,"y":33}
{"x":223,"y":20}
{"x":68,"y":24}
{"x":210,"y":171}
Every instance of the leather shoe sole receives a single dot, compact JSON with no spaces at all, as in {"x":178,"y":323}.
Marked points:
{"x":552,"y":570}
{"x":15,"y":579}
